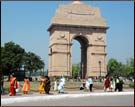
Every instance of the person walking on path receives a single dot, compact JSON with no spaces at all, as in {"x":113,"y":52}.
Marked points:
{"x":47,"y":85}
{"x":107,"y":84}
{"x":42,"y":84}
{"x":121,"y":84}
{"x":112,"y":82}
{"x":87,"y":84}
{"x":61,"y":85}
{"x":55,"y":85}
{"x":90,"y":81}
{"x":26,"y":86}
{"x":117,"y":84}
{"x":13,"y":85}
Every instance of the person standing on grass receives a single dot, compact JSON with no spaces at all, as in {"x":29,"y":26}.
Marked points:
{"x":26,"y":86}
{"x":13,"y":85}
{"x":90,"y":81}
{"x":42,"y":84}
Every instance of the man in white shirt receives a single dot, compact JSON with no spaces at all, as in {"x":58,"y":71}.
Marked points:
{"x":90,"y":81}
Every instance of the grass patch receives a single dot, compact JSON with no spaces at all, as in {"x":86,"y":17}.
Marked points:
{"x":6,"y":90}
{"x":131,"y":84}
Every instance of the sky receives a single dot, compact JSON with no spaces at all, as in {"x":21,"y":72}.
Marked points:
{"x":26,"y":23}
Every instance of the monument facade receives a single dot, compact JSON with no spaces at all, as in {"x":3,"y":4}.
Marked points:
{"x":85,"y":24}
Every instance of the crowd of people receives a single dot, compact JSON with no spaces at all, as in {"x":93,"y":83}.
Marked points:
{"x":110,"y":84}
{"x":15,"y":87}
{"x":113,"y":84}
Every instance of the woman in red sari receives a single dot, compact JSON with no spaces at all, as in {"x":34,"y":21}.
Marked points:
{"x":13,"y":86}
{"x":107,"y":83}
{"x":26,"y":86}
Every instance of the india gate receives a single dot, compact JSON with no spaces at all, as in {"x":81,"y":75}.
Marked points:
{"x":77,"y":21}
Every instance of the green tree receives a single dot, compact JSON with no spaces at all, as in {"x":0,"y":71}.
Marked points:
{"x":76,"y":70}
{"x":114,"y":67}
{"x":33,"y":62}
{"x":129,"y":69}
{"x":11,"y":57}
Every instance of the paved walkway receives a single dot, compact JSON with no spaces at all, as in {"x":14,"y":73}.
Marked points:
{"x":56,"y":93}
{"x":5,"y":99}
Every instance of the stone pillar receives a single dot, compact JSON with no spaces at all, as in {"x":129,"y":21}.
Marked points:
{"x":96,"y":52}
{"x":89,"y":61}
{"x":59,"y":56}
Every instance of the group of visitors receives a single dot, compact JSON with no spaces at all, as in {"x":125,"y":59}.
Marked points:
{"x":110,"y":84}
{"x":45,"y":85}
{"x":15,"y":87}
{"x":113,"y":84}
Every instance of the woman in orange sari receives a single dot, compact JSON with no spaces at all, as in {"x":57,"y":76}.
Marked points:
{"x":42,"y":84}
{"x":13,"y":86}
{"x":26,"y":86}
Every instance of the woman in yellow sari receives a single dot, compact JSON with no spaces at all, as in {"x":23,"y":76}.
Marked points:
{"x":42,"y":85}
{"x":26,"y":86}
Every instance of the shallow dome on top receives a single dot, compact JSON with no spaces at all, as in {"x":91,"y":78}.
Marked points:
{"x":76,"y":2}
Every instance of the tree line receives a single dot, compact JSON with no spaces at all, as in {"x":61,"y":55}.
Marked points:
{"x":14,"y":58}
{"x":114,"y":68}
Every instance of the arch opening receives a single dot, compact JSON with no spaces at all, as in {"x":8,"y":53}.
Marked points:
{"x":83,"y":57}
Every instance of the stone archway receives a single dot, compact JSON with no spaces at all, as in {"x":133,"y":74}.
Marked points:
{"x":84,"y":44}
{"x":84,"y":24}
